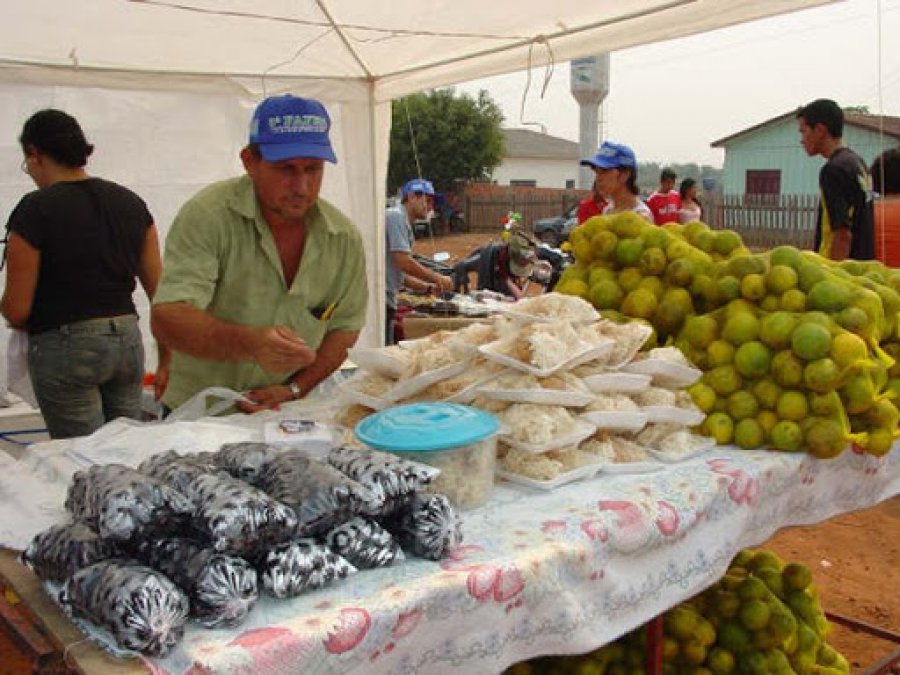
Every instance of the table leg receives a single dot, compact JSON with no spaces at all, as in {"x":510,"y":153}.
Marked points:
{"x":654,"y":630}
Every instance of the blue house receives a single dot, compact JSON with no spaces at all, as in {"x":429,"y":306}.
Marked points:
{"x":767,"y":159}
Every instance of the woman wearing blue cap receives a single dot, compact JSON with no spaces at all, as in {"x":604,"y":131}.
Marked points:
{"x":615,"y":166}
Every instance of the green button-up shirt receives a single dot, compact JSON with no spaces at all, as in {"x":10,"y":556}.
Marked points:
{"x":220,"y":257}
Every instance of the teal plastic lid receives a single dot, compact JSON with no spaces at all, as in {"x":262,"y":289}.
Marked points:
{"x":426,"y":427}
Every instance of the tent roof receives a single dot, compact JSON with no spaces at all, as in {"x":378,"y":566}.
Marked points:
{"x":399,"y":47}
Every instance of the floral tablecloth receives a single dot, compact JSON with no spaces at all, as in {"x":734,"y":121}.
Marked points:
{"x":563,"y":571}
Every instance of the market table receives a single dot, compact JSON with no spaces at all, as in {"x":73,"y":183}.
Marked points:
{"x":554,"y":572}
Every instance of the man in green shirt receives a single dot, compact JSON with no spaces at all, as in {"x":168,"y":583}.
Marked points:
{"x":264,"y":283}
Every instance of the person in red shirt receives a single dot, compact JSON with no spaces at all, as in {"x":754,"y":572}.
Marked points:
{"x":592,"y":206}
{"x":665,"y":202}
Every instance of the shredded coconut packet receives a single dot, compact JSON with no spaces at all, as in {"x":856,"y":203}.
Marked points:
{"x":557,"y":306}
{"x":544,"y":345}
{"x":537,"y":424}
{"x":612,"y":403}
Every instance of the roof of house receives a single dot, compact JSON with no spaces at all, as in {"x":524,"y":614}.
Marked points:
{"x":888,"y":123}
{"x":532,"y":144}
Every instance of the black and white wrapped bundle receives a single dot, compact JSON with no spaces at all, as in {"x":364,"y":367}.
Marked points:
{"x":246,"y":460}
{"x":122,"y":504}
{"x":364,"y":543}
{"x":176,"y":470}
{"x":239,"y":518}
{"x":392,"y":479}
{"x":59,"y":551}
{"x":321,"y":496}
{"x":222,"y":588}
{"x":428,"y":526}
{"x":142,"y":608}
{"x":290,"y":569}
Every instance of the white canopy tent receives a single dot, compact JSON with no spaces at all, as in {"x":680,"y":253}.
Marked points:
{"x":164,"y":88}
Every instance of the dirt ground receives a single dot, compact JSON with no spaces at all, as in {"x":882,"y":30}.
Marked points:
{"x":853,"y":557}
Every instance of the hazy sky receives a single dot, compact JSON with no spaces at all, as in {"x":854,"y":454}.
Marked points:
{"x":670,"y":100}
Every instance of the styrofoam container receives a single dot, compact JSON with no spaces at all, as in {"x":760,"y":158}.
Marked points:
{"x":459,"y":440}
{"x":617,"y":382}
{"x":616,"y":420}
{"x":581,"y":473}
{"x":580,"y":430}
{"x":667,"y":414}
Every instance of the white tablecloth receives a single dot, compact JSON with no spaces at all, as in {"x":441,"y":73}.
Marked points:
{"x":540,"y":572}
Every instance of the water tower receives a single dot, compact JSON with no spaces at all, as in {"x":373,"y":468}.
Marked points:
{"x":590,"y":85}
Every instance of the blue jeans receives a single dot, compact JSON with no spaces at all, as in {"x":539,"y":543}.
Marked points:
{"x":87,"y":373}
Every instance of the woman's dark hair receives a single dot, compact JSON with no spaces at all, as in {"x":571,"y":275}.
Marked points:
{"x":886,"y":172}
{"x":686,"y":185}
{"x":57,"y":135}
{"x":631,"y":183}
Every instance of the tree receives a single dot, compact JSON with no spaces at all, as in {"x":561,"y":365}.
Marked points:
{"x":456,"y":137}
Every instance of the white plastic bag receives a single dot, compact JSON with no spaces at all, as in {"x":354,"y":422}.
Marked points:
{"x":196,"y":406}
{"x":19,"y":382}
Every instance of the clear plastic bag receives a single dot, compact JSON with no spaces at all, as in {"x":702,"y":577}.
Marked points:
{"x":364,"y":543}
{"x":122,"y":504}
{"x":142,"y":608}
{"x":58,"y":552}
{"x":321,"y":496}
{"x":246,"y":460}
{"x":222,"y":588}
{"x":427,"y":526}
{"x":239,"y":518}
{"x":290,"y":569}
{"x":392,"y":479}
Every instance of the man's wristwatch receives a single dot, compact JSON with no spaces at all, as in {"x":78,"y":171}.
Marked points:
{"x":296,"y":392}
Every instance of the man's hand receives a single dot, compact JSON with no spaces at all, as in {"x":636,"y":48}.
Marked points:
{"x":267,"y":398}
{"x":445,"y":284}
{"x":280,"y":350}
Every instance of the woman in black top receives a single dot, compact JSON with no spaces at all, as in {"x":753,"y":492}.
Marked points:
{"x":75,"y":246}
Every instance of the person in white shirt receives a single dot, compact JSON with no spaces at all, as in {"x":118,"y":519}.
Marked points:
{"x":615,"y":166}
{"x":690,"y":210}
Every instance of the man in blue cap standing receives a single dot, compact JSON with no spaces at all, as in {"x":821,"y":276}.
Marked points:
{"x":401,"y":269}
{"x":264,"y":283}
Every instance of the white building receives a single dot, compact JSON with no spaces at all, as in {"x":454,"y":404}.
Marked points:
{"x":533,"y":159}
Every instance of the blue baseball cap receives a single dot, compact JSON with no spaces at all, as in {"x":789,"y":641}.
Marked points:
{"x":612,"y":156}
{"x":288,"y":127}
{"x":417,"y":185}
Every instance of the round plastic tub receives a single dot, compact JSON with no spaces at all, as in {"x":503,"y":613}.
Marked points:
{"x":459,"y":440}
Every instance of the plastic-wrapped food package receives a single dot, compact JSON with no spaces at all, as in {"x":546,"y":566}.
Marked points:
{"x":122,"y":504}
{"x":428,"y":526}
{"x":290,"y":569}
{"x":178,"y":470}
{"x":237,"y":517}
{"x":321,"y":496}
{"x":222,"y":588}
{"x":246,"y":460}
{"x":58,"y":552}
{"x":142,"y":608}
{"x":392,"y":479}
{"x":364,"y":543}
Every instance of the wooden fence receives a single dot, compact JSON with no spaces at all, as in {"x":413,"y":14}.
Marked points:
{"x":486,"y":207}
{"x":764,"y":221}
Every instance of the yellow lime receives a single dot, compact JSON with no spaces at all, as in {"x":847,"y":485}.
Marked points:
{"x":628,"y":252}
{"x":781,"y":278}
{"x":728,"y":288}
{"x":723,"y":379}
{"x":628,"y":224}
{"x":829,"y":296}
{"x":654,"y":285}
{"x":572,"y":287}
{"x":785,"y":255}
{"x":700,"y":330}
{"x":809,"y":275}
{"x":606,"y":294}
{"x":629,"y":278}
{"x":852,"y":318}
{"x":792,"y":405}
{"x":720,"y":661}
{"x":693,"y":652}
{"x":752,"y":588}
{"x":821,"y":375}
{"x":753,"y":287}
{"x":796,"y":577}
{"x":680,"y":272}
{"x":767,"y":419}
{"x":811,"y":341}
{"x":652,"y":261}
{"x":787,"y":436}
{"x":720,"y":427}
{"x":880,"y":442}
{"x":720,"y":353}
{"x":603,"y":245}
{"x":775,"y":329}
{"x":825,"y":405}
{"x":793,"y":300}
{"x":754,"y":614}
{"x":787,"y":369}
{"x":740,"y":328}
{"x":703,"y":396}
{"x":741,"y":405}
{"x":752,"y":359}
{"x":766,"y":392}
{"x":680,"y":622}
{"x":848,"y":349}
{"x":726,"y":242}
{"x":749,"y":434}
{"x":639,"y":303}
{"x":858,"y":393}
{"x":770,"y":303}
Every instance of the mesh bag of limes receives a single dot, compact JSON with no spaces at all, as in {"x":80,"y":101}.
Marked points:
{"x":763,"y":617}
{"x":798,"y":352}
